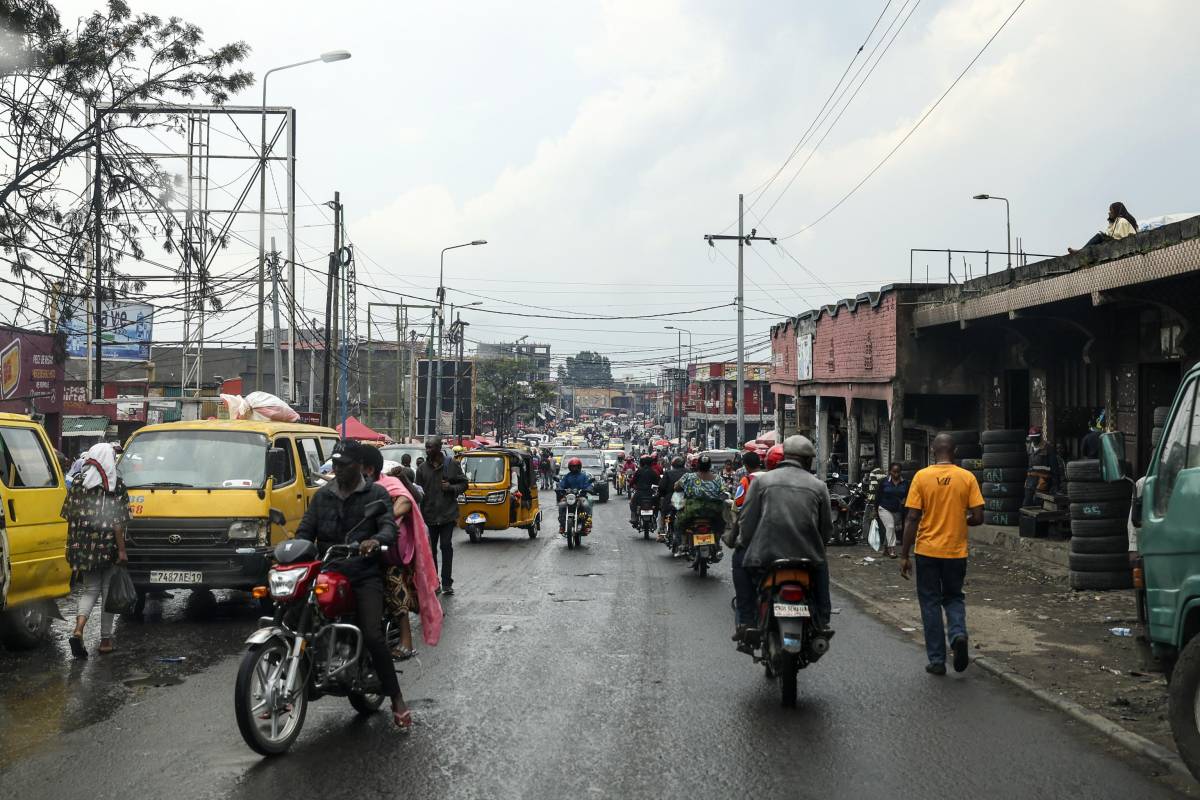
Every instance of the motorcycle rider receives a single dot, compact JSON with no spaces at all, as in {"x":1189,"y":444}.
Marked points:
{"x":641,"y":488}
{"x":665,"y":489}
{"x":335,"y":510}
{"x":786,"y":516}
{"x":578,"y":481}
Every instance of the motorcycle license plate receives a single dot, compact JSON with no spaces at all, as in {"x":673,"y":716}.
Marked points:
{"x":175,"y":576}
{"x":646,"y":513}
{"x":701,"y":539}
{"x":792,"y":610}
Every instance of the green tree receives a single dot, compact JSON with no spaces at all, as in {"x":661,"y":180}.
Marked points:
{"x":52,"y":80}
{"x":587,"y":368}
{"x":505,"y":394}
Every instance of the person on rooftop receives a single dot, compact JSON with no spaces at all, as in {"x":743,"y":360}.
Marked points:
{"x":1120,"y":224}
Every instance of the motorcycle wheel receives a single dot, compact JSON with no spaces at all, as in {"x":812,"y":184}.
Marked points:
{"x":473,"y":533}
{"x":702,"y":566}
{"x":570,"y":539}
{"x":365,"y":703}
{"x":267,"y":727}
{"x":578,"y":538}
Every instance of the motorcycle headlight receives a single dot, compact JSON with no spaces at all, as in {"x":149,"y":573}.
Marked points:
{"x":462,"y":499}
{"x":495,"y":498}
{"x":283,"y":582}
{"x":255,"y":530}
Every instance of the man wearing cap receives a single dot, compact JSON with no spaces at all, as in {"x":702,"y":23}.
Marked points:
{"x":786,"y":516}
{"x":1044,"y":473}
{"x":339,"y":507}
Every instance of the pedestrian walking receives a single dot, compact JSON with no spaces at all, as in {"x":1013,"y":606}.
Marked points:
{"x":97,"y":512}
{"x":942,"y":501}
{"x":890,"y":496}
{"x":442,"y":480}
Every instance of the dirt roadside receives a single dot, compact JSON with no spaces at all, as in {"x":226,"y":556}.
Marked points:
{"x":1021,"y":613}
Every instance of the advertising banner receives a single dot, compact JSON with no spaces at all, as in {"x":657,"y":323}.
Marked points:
{"x":804,"y":349}
{"x":125,"y":330}
{"x":29,"y":378}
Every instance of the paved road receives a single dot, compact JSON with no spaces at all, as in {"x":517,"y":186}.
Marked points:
{"x":600,"y":673}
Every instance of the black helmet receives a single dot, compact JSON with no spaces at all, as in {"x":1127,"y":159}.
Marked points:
{"x":703,"y":464}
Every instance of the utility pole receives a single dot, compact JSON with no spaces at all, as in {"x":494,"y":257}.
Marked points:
{"x":274,"y":255}
{"x":429,"y":375}
{"x":98,"y":265}
{"x":331,"y":308}
{"x":743,"y":241}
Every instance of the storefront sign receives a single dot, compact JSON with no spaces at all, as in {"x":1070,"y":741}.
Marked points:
{"x":29,"y":378}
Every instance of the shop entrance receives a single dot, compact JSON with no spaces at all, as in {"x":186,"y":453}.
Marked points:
{"x":1016,"y":399}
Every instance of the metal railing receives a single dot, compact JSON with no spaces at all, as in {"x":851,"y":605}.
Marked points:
{"x":969,"y":268}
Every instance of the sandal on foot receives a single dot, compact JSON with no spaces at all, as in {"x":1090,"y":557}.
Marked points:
{"x":106,"y":647}
{"x":403,"y":653}
{"x":77,"y":648}
{"x":403,"y":720}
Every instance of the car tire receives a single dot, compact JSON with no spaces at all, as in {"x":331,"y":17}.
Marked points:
{"x":1006,"y":519}
{"x":1100,"y":509}
{"x":967,"y":451}
{"x":1003,"y":475}
{"x":1181,"y":705}
{"x":1004,"y":459}
{"x":1082,"y":491}
{"x":1160,"y":415}
{"x":971,"y":464}
{"x":964,"y":436}
{"x":1156,"y":434}
{"x":1002,"y":489}
{"x":1001,"y":503}
{"x":1122,"y":579}
{"x":1005,"y":447}
{"x":1098,"y":527}
{"x":24,"y":627}
{"x":1100,"y":544}
{"x":1086,"y":469}
{"x":1098,"y":562}
{"x":1002,"y":435}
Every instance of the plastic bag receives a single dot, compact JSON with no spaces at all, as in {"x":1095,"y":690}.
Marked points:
{"x":875,"y":534}
{"x":120,"y":597}
{"x":266,"y":407}
{"x":677,"y":500}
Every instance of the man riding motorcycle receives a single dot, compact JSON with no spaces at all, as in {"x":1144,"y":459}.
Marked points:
{"x":337,"y":508}
{"x":666,"y":488}
{"x":641,"y":488}
{"x":578,"y":481}
{"x":786,"y":516}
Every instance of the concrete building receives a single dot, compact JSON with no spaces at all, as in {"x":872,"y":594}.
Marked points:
{"x":537,"y":355}
{"x":711,"y":408}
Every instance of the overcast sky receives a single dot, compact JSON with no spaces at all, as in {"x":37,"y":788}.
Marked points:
{"x":594,"y":144}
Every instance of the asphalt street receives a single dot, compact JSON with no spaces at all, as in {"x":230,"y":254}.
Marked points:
{"x":605,"y":672}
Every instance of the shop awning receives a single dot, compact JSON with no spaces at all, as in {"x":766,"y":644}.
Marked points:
{"x":357,"y":430}
{"x":91,"y":427}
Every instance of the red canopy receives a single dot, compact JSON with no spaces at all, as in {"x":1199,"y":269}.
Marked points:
{"x":662,"y":443}
{"x":353,"y":429}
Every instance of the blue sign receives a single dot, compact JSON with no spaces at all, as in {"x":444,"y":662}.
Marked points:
{"x":125,"y":330}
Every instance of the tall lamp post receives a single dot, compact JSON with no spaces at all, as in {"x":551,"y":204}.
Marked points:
{"x":329,"y":57}
{"x":1007,"y":220}
{"x":678,"y":357}
{"x":436,"y":375}
{"x":458,"y":338}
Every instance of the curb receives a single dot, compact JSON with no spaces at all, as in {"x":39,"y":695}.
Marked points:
{"x":1131,"y":741}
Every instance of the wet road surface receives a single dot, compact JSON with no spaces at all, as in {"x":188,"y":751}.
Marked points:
{"x":606,"y":672}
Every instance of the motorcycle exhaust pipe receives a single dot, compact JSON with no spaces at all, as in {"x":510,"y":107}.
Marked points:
{"x":818,"y":646}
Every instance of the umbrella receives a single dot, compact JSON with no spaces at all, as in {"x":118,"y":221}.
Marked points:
{"x":662,"y":443}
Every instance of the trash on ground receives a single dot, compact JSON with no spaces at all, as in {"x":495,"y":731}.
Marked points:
{"x":171,"y":659}
{"x":1120,"y":631}
{"x":505,"y":628}
{"x":909,"y":630}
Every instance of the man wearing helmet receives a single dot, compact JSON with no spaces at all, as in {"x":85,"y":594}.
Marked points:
{"x":578,"y":481}
{"x":786,"y":516}
{"x":666,"y":488}
{"x":641,"y":488}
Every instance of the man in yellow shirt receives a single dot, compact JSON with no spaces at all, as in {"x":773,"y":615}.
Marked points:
{"x":942,"y":501}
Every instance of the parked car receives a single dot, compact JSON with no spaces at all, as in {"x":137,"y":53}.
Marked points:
{"x":33,"y":535}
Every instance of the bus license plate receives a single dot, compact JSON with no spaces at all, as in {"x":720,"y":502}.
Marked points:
{"x":175,"y":576}
{"x":701,"y":539}
{"x":792,"y":610}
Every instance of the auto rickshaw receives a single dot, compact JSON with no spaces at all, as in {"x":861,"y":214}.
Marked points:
{"x":501,"y":493}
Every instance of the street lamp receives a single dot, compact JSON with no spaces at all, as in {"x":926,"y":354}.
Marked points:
{"x":1007,"y":220}
{"x":436,"y":375}
{"x":327,"y":57}
{"x":458,"y":324}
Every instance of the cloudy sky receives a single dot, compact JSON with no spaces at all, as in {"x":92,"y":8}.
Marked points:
{"x":594,"y":144}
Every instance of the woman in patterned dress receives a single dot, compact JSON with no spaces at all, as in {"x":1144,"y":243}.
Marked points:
{"x":97,"y":513}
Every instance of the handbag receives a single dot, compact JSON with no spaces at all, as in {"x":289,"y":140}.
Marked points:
{"x":119,"y":596}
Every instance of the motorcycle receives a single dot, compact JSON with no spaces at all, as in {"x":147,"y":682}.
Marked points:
{"x":700,"y":545}
{"x":577,"y":523}
{"x":310,"y":647}
{"x":846,"y":506}
{"x":647,"y":511}
{"x":788,"y":636}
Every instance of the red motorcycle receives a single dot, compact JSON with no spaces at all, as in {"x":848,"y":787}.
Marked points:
{"x":309,"y":648}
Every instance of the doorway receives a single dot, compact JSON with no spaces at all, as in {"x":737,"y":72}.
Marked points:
{"x":1156,"y":387}
{"x":1016,"y":399}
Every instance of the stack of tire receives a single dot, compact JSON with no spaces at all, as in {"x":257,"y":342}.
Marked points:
{"x":967,"y":452}
{"x":1099,"y":554}
{"x":1003,"y":468}
{"x":1160,"y":418}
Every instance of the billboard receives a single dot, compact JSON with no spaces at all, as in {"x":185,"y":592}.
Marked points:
{"x":29,"y":376}
{"x":125,"y":330}
{"x":804,"y":350}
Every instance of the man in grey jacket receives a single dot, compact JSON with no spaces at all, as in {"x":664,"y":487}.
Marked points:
{"x":786,"y":515}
